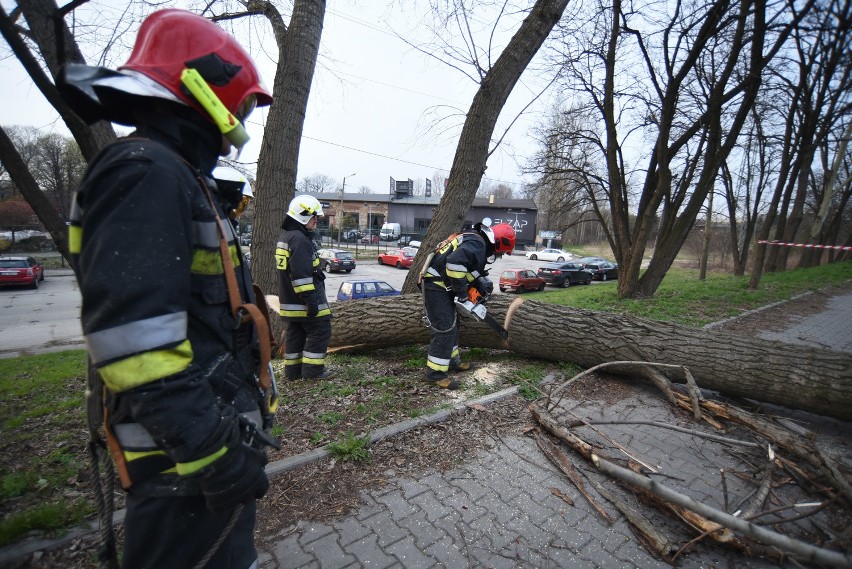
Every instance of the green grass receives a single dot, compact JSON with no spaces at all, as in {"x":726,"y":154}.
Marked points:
{"x":43,"y":397}
{"x":350,"y":447}
{"x":684,"y":299}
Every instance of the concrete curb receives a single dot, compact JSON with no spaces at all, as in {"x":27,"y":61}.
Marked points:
{"x":719,"y":323}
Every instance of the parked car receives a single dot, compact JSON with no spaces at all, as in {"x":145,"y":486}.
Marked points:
{"x":564,"y":274}
{"x":602,"y":271}
{"x":332,"y":260}
{"x":520,"y":280}
{"x":401,"y":258}
{"x":350,"y":235}
{"x":21,"y":271}
{"x":590,"y":260}
{"x":370,"y":237}
{"x":354,"y":290}
{"x":408,"y":240}
{"x":549,"y":255}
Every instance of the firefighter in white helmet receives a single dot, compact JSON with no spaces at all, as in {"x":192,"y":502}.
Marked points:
{"x":301,"y":293}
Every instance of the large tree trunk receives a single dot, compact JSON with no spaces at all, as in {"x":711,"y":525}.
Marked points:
{"x":298,"y":48}
{"x":797,"y":377}
{"x":472,"y":152}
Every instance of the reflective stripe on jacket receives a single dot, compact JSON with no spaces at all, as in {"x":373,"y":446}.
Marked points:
{"x":457,"y":264}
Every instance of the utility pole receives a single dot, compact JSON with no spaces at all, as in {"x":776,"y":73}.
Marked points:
{"x":340,"y":224}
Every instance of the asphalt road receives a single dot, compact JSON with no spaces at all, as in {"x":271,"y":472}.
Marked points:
{"x":47,"y":319}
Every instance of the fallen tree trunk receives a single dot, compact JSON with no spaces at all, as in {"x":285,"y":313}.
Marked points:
{"x":797,"y":377}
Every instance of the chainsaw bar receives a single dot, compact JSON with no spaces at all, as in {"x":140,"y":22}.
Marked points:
{"x":494,"y":325}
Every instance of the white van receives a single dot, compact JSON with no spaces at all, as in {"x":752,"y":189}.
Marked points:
{"x":389,"y":232}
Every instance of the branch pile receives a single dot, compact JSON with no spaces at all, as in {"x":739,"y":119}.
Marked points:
{"x":793,"y":496}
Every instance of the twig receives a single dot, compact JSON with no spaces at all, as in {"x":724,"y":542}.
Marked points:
{"x":830,"y":469}
{"x":561,"y":461}
{"x":694,"y":393}
{"x":659,"y":544}
{"x":660,"y":424}
{"x":763,"y":488}
{"x":799,"y":548}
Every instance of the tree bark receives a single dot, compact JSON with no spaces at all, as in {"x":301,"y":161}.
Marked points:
{"x":298,"y":48}
{"x":797,"y":377}
{"x":472,"y":152}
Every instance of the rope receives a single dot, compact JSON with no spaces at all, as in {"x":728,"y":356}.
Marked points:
{"x":225,"y":532}
{"x":107,"y":558}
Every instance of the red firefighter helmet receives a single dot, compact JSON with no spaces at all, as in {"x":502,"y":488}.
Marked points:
{"x":504,"y":238}
{"x":172,"y":40}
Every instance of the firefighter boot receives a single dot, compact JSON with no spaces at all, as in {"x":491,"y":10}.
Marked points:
{"x":440,"y":379}
{"x":326,"y":374}
{"x":456,"y":366}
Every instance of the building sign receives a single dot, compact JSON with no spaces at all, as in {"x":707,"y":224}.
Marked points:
{"x":428,"y":188}
{"x":517,"y":219}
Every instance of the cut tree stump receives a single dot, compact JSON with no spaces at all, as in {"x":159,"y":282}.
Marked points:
{"x":793,"y":376}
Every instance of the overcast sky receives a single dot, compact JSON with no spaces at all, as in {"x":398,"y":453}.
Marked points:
{"x":372,"y":100}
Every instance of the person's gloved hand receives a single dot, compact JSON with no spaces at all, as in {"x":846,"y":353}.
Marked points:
{"x":234,"y":478}
{"x":485,"y":287}
{"x":313,"y":309}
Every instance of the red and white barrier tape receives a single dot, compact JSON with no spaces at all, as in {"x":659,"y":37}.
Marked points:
{"x":808,"y":245}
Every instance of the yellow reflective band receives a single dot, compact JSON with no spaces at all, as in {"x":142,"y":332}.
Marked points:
{"x":455,"y":274}
{"x":130,"y":455}
{"x":145,"y":368}
{"x":222,"y":117}
{"x":437,"y":367}
{"x":206,"y":262}
{"x":184,"y":468}
{"x":304,"y":288}
{"x":314,"y":361}
{"x":281,"y":256}
{"x":75,"y":239}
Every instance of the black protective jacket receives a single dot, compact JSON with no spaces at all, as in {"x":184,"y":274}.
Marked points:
{"x":156,"y":314}
{"x":301,"y":281}
{"x":457,"y":263}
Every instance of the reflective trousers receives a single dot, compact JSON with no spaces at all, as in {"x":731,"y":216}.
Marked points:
{"x":444,"y":332}
{"x":305,"y":344}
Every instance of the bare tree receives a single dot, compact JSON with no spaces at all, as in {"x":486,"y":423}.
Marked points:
{"x":812,"y":93}
{"x":495,"y":84}
{"x":317,"y":184}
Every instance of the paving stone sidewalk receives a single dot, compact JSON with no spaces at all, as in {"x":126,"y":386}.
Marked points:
{"x":505,"y":508}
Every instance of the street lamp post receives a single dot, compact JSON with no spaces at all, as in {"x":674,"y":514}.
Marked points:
{"x":340,"y":225}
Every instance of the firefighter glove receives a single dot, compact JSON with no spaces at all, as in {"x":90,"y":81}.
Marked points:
{"x":234,"y":478}
{"x":313,"y":309}
{"x":484,"y":286}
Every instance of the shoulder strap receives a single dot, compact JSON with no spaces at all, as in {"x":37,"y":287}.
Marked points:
{"x":240,"y":309}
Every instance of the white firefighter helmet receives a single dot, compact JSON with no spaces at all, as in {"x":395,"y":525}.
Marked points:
{"x":233,"y":186}
{"x":304,"y":207}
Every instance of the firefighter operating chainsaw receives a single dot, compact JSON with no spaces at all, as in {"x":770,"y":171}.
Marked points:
{"x":454,"y":281}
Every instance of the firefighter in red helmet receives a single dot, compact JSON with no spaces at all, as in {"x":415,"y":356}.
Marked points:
{"x":458,"y":264}
{"x":148,"y":235}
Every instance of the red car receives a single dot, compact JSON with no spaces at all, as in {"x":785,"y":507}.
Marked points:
{"x":520,"y":280}
{"x":401,"y":258}
{"x":21,"y":271}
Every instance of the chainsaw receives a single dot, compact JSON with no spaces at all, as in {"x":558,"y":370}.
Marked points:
{"x":475,"y":305}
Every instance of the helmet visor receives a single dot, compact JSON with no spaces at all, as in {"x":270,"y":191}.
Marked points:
{"x":246,"y":107}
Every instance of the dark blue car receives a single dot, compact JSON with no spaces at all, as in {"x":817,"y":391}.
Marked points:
{"x":353,"y":290}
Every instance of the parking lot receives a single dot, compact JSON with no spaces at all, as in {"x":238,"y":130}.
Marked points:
{"x":49,"y":317}
{"x":369,"y":268}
